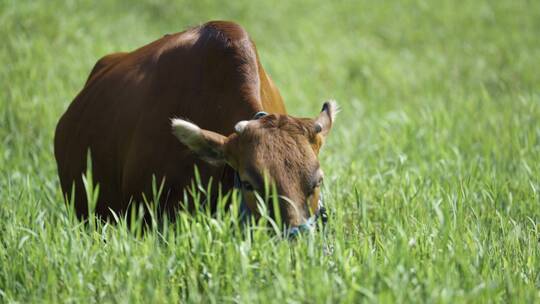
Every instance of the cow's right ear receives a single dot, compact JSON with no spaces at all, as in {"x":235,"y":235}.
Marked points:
{"x":208,"y":145}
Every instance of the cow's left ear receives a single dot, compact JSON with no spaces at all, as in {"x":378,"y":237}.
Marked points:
{"x":208,"y":145}
{"x":323,"y":123}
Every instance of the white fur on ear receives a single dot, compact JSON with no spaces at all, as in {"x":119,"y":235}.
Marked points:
{"x":185,"y":131}
{"x":241,"y":126}
{"x":323,"y":123}
{"x":206,"y":144}
{"x":333,"y":108}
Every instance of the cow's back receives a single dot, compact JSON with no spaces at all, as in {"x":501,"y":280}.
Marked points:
{"x":209,"y":74}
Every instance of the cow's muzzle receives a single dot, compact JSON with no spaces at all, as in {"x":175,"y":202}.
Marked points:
{"x":311,"y":223}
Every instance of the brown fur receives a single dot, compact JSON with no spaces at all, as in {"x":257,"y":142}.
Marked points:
{"x":281,"y":148}
{"x":211,"y":76}
{"x":278,"y":149}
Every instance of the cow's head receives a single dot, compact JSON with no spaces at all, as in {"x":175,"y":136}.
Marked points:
{"x":279,"y":148}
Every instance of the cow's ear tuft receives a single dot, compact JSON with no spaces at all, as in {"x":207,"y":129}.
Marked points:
{"x":206,"y":144}
{"x":323,"y":123}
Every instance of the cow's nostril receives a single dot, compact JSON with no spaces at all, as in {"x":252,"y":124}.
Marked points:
{"x":294,"y":232}
{"x":303,"y":228}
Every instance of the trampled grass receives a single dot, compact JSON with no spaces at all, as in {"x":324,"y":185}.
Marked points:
{"x":432,"y":169}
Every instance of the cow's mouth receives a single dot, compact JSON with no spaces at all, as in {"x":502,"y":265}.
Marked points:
{"x":311,"y":223}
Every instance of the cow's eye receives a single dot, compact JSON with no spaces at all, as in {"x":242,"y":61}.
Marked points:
{"x":247,"y":186}
{"x":316,"y":185}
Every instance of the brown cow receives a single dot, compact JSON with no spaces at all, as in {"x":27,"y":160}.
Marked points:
{"x":211,"y":76}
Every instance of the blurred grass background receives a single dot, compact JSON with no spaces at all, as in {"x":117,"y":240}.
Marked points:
{"x":432,"y":170}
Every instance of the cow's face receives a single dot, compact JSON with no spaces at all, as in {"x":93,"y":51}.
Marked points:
{"x":280,"y":149}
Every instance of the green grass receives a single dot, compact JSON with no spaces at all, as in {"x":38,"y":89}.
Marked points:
{"x":432,"y":170}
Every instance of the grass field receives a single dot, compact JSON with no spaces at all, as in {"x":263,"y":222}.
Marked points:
{"x":432,"y":169}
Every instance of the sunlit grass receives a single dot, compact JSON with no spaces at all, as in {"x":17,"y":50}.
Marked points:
{"x":432,"y":171}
